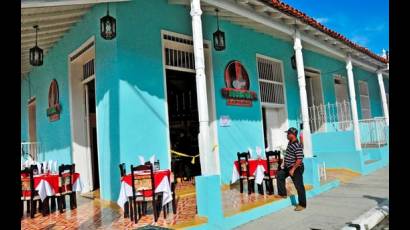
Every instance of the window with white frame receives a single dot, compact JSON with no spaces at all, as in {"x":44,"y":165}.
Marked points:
{"x":270,"y":81}
{"x":364,"y":100}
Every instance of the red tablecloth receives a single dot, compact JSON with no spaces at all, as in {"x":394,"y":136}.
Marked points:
{"x":52,"y":180}
{"x":254,"y":163}
{"x":158,"y":176}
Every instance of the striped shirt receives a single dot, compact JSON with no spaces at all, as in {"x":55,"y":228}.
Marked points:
{"x":294,"y":152}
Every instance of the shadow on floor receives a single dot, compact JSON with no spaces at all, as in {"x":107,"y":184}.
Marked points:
{"x":379,"y":200}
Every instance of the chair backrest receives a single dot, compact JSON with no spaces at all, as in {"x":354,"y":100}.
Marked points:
{"x":155,"y":165}
{"x":273,"y":160}
{"x":243,"y":162}
{"x":27,"y":181}
{"x":122,"y":169}
{"x":65,"y":177}
{"x":35,"y":168}
{"x":143,"y":179}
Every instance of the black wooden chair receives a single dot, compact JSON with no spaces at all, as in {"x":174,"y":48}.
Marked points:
{"x":273,"y":162}
{"x":28,"y":192}
{"x":65,"y":187}
{"x":127,"y":205}
{"x":143,"y":190}
{"x":244,"y":173}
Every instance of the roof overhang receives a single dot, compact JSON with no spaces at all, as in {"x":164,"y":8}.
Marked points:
{"x":264,"y":18}
{"x":55,"y":18}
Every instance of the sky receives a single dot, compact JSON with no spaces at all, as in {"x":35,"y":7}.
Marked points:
{"x":365,"y":22}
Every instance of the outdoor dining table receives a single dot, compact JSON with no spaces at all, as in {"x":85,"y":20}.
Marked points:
{"x":162,"y":185}
{"x":47,"y":184}
{"x":257,"y":168}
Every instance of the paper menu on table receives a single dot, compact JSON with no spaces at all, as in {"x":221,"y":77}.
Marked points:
{"x":142,"y":160}
{"x":45,"y":166}
{"x":152,"y":159}
{"x":55,"y":166}
{"x":38,"y":168}
{"x":258,"y":151}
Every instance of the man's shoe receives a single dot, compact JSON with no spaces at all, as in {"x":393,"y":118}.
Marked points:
{"x":299,"y":208}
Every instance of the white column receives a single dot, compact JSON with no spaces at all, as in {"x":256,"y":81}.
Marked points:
{"x":307,"y":139}
{"x":207,"y":160}
{"x":352,"y":92}
{"x":383,"y":95}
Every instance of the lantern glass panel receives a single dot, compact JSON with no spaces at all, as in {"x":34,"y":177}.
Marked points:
{"x":108,"y":27}
{"x":36,"y":56}
{"x":219,"y":40}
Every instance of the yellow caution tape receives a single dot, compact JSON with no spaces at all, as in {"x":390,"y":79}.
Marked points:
{"x":193,"y":157}
{"x":185,"y":155}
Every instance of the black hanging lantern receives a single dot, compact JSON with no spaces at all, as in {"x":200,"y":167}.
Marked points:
{"x":293,"y":61}
{"x":219,"y":36}
{"x":108,"y":26}
{"x":36,"y":53}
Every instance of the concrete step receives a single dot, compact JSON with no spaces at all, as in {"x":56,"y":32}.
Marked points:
{"x":372,"y":165}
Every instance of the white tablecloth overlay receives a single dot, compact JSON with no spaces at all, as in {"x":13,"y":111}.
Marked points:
{"x":164,"y":187}
{"x":45,"y":189}
{"x":259,"y":174}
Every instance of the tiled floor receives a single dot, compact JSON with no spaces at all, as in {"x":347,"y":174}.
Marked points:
{"x":344,"y":175}
{"x":97,"y":214}
{"x":235,"y":202}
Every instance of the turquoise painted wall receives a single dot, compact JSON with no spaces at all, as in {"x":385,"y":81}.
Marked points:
{"x":55,"y":137}
{"x":337,"y":150}
{"x":376,"y":106}
{"x":131,"y":116}
{"x":142,"y":115}
{"x":246,"y":129}
{"x":328,"y":68}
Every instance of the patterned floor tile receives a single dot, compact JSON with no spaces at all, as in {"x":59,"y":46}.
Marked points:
{"x":95,"y":214}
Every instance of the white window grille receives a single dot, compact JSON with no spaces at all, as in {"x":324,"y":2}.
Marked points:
{"x":88,"y":69}
{"x":364,"y":100}
{"x":270,"y":81}
{"x":179,"y":52}
{"x":322,"y":171}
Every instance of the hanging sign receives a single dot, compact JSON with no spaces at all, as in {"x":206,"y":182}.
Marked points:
{"x":54,"y":107}
{"x":237,"y":85}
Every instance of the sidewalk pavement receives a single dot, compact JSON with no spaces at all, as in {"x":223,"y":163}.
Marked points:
{"x":333,"y":209}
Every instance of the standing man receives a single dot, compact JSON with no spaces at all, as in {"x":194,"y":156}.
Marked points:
{"x":293,"y":168}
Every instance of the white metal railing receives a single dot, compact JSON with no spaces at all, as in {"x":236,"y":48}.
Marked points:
{"x":330,"y":117}
{"x":322,"y":171}
{"x":373,"y":132}
{"x":30,"y":150}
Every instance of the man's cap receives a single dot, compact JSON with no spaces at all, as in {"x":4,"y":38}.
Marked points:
{"x":292,"y":130}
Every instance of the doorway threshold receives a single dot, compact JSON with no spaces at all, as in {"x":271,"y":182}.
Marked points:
{"x":92,"y":195}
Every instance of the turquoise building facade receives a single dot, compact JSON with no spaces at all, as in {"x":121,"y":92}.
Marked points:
{"x":130,"y":93}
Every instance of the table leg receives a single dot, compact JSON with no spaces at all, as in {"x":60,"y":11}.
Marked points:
{"x":126,"y":209}
{"x":53,"y":204}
